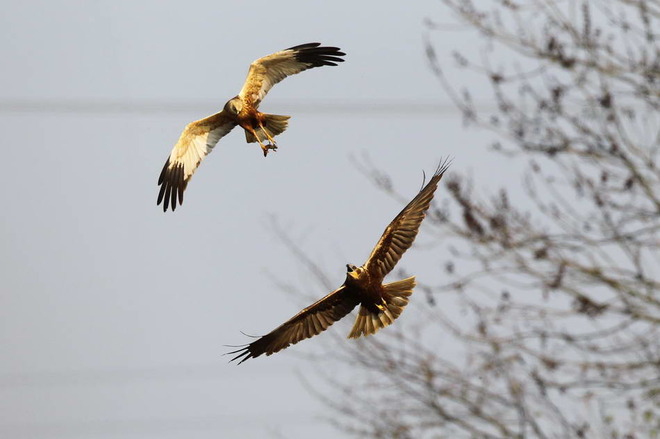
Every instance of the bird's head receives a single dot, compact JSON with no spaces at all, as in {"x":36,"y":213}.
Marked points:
{"x":353,"y":271}
{"x":234,"y":105}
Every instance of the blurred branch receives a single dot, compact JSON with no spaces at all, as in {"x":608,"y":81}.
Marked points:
{"x":550,"y":304}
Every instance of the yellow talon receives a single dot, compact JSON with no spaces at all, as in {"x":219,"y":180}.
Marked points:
{"x":265,"y":131}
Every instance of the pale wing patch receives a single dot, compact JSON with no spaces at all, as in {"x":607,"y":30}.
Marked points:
{"x":195,"y":143}
{"x":191,"y":154}
{"x":194,"y":148}
{"x":263,"y":77}
{"x":265,"y":72}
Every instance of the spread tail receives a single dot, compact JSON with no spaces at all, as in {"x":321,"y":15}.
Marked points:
{"x":273,"y":124}
{"x":395,"y":298}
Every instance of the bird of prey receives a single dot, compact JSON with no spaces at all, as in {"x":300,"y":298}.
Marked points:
{"x":380,"y":304}
{"x":199,"y":137}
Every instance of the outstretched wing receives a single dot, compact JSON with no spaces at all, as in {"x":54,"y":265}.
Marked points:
{"x":307,"y":323}
{"x":195,"y":143}
{"x":267,"y":71}
{"x":400,"y":234}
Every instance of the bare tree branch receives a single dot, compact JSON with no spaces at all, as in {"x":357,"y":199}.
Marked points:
{"x":550,"y":314}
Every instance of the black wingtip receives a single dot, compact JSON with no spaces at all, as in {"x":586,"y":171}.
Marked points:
{"x":247,"y":351}
{"x":439,"y":171}
{"x":244,"y":354}
{"x":317,"y":55}
{"x":443,"y":166}
{"x":172,"y":184}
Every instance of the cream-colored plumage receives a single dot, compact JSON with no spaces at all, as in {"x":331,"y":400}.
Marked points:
{"x":195,"y":143}
{"x":265,"y":72}
{"x":199,"y":138}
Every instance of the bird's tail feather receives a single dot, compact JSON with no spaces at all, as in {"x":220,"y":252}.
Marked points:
{"x":273,"y":124}
{"x":395,"y":298}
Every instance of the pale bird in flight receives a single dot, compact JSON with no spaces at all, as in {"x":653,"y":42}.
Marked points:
{"x":380,"y":304}
{"x":199,"y":137}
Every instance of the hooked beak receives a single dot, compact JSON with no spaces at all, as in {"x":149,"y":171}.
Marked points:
{"x":351,"y":270}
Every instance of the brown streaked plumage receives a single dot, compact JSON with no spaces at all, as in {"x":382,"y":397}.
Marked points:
{"x":380,"y":303}
{"x":199,"y":137}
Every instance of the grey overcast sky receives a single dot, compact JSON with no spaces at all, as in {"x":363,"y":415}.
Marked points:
{"x":113,"y":314}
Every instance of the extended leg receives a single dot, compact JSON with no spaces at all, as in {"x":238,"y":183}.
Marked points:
{"x":265,"y":131}
{"x":264,"y":148}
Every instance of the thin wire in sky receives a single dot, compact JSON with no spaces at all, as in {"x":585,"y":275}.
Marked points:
{"x":88,"y":106}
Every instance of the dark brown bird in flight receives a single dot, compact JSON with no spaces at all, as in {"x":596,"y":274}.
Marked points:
{"x":199,"y":137}
{"x":380,"y":304}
